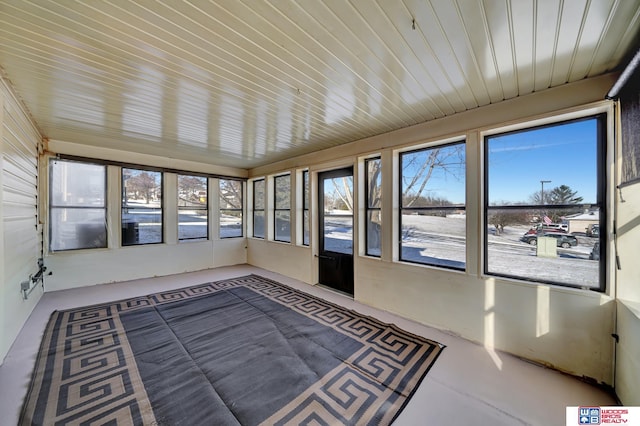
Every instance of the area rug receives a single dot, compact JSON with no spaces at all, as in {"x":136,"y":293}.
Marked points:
{"x":242,"y":351}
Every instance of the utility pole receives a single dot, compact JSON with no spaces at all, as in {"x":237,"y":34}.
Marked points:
{"x":542,"y":212}
{"x":542,"y":182}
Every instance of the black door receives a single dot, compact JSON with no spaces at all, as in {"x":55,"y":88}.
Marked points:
{"x":335,"y":204}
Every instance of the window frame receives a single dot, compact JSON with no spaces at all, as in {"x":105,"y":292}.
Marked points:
{"x":205,"y":208}
{"x":241,"y":209}
{"x":306,"y":215}
{"x":161,"y":208}
{"x":367,"y":205}
{"x":601,"y":202}
{"x":277,"y":209}
{"x":401,"y":208}
{"x":263,"y":209}
{"x":53,"y":207}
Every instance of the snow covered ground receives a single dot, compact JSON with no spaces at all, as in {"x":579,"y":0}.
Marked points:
{"x":509,"y":256}
{"x":430,"y":240}
{"x":441,"y":241}
{"x":230,"y":226}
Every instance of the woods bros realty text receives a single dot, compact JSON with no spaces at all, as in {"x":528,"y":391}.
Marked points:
{"x":603,"y":415}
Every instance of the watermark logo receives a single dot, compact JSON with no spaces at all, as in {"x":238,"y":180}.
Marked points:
{"x":622,"y":415}
{"x":589,"y":415}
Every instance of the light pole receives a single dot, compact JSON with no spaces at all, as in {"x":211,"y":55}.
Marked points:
{"x":542,"y":215}
{"x":542,"y":182}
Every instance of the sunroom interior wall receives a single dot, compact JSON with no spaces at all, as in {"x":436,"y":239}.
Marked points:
{"x":20,"y":231}
{"x":79,"y":268}
{"x":628,"y":283}
{"x":628,"y":236}
{"x":499,"y":314}
{"x":627,"y":384}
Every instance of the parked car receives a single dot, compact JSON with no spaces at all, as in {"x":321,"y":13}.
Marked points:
{"x":595,"y":251}
{"x":562,"y":240}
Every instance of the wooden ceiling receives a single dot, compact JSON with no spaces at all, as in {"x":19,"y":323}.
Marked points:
{"x":245,"y":83}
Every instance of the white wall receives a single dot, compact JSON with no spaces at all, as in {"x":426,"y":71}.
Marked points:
{"x":80,"y":268}
{"x":628,"y":230}
{"x":290,"y":260}
{"x":628,"y":278}
{"x":19,"y":236}
{"x":564,"y":328}
{"x":628,"y":354}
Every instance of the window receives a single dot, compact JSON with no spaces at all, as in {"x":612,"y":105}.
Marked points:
{"x":78,"y":211}
{"x":432,"y":206}
{"x":258,"y":208}
{"x":282,"y":208}
{"x":141,"y":207}
{"x":373,"y":193}
{"x":544,"y":203}
{"x":230,"y":208}
{"x":193,"y":207}
{"x":305,"y":208}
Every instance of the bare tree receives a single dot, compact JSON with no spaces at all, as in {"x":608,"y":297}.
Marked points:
{"x":283,"y":191}
{"x":230,"y":194}
{"x":502,"y":218}
{"x":190,"y":187}
{"x":142,"y":185}
{"x":374,"y":191}
{"x":417,"y":170}
{"x":346,"y":192}
{"x":343,"y":192}
{"x":374,"y":200}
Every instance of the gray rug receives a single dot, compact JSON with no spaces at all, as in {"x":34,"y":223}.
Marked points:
{"x":244,"y":351}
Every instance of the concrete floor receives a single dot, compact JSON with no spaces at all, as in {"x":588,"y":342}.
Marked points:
{"x":468,"y":385}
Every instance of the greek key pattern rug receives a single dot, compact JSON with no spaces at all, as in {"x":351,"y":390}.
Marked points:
{"x":242,"y":351}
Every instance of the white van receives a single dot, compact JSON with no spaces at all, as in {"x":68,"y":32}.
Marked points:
{"x":557,"y":227}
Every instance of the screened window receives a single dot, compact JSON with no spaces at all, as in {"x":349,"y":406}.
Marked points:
{"x":258,"y":208}
{"x":78,"y":211}
{"x":282,"y":208}
{"x":305,"y":208}
{"x":432,"y":206}
{"x":141,"y":207}
{"x":230,"y":208}
{"x":544,"y":203}
{"x":193,"y":207}
{"x":373,"y":193}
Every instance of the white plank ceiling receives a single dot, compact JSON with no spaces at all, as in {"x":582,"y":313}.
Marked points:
{"x":249,"y":82}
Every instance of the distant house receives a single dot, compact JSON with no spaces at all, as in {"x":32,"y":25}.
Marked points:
{"x":582,"y":221}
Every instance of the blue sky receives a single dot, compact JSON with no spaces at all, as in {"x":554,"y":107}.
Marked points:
{"x":564,"y":154}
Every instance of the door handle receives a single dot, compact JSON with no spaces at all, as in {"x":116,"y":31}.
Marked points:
{"x":321,"y":256}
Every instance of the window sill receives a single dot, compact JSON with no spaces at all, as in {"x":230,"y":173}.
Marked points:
{"x":193,"y":240}
{"x":281,"y":242}
{"x":369,"y":257}
{"x":77,"y":251}
{"x":634,"y":307}
{"x":430,"y":267}
{"x":555,"y":287}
